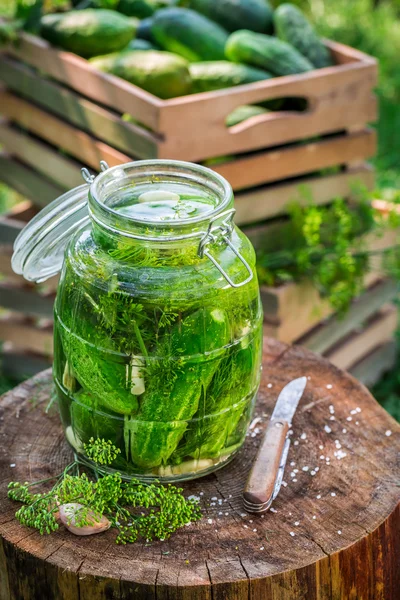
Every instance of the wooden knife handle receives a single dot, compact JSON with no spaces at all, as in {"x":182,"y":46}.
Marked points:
{"x":261,"y":482}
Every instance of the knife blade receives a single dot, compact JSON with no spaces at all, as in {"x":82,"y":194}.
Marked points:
{"x":266,"y":475}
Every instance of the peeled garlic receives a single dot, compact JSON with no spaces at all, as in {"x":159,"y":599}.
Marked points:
{"x":137,"y":379}
{"x":73,"y":439}
{"x":68,"y":379}
{"x":188,"y":466}
{"x":68,"y":513}
{"x":158,"y":195}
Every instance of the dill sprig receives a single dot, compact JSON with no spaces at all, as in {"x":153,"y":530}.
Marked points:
{"x":137,"y":510}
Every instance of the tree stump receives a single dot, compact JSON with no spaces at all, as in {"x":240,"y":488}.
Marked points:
{"x":334,"y":532}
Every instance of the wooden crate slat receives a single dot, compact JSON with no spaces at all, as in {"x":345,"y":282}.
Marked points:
{"x":80,"y":75}
{"x":271,"y":201}
{"x":9,"y":229}
{"x":27,"y":182}
{"x":370,"y":368}
{"x":329,"y":333}
{"x":59,"y":133}
{"x":62,"y":170}
{"x":263,"y":167}
{"x":26,"y":336}
{"x":19,"y":364}
{"x":85,"y":114}
{"x":26,"y":300}
{"x":279,"y":164}
{"x":380,"y":329}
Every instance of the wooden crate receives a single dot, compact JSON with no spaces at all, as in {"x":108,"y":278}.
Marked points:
{"x":62,"y":99}
{"x":369,"y":369}
{"x":378,"y":330}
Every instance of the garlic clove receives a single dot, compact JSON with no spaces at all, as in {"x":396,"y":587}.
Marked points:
{"x":68,"y":517}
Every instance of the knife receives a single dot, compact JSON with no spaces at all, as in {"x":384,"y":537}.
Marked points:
{"x":265,"y":479}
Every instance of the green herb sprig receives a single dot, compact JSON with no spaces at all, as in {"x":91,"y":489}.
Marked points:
{"x":137,"y":510}
{"x":326,"y":245}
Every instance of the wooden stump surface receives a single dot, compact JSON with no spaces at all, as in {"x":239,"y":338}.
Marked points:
{"x":334,"y":533}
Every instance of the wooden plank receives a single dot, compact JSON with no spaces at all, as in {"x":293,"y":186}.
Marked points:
{"x":272,"y":200}
{"x":78,"y":110}
{"x":47,"y":161}
{"x":26,"y":300}
{"x":370,"y":369}
{"x":59,"y":133}
{"x":379,"y":330}
{"x":80,"y":75}
{"x":27,"y":182}
{"x":281,"y":163}
{"x":20,"y":365}
{"x":9,"y":229}
{"x":26,"y":336}
{"x":5,"y":262}
{"x":330,"y":332}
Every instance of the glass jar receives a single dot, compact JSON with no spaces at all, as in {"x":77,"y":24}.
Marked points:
{"x":158,"y":320}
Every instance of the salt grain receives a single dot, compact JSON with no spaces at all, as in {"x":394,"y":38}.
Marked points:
{"x":284,"y":483}
{"x":214,"y":498}
{"x":262,"y":548}
{"x":295,"y":470}
{"x":339,"y":532}
{"x":349,"y":419}
{"x":331,"y":409}
{"x":210,"y":521}
{"x":312,"y":473}
{"x":292,"y":533}
{"x":292,"y":463}
{"x":333,"y":494}
{"x":332,"y":418}
{"x":344,"y":430}
{"x":296,"y":443}
{"x":12,"y":465}
{"x":329,"y":386}
{"x":254,"y":530}
{"x":321,"y":447}
{"x":305,"y":468}
{"x":269,"y":385}
{"x":297,"y":523}
{"x":388,"y":433}
{"x":294,"y":480}
{"x":358,"y":409}
{"x":314,"y":517}
{"x":322,"y":457}
{"x":353,"y":412}
{"x":273,"y":510}
{"x":341,"y":455}
{"x":319,"y":497}
{"x":327,"y":429}
{"x":303,"y":436}
{"x":357,"y":422}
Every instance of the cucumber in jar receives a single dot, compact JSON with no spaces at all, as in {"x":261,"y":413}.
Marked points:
{"x":193,"y":350}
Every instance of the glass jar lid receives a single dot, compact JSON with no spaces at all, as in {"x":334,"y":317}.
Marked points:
{"x":39,"y":248}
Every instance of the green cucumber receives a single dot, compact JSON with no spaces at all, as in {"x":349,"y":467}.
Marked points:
{"x":189,"y":34}
{"x":197,"y":345}
{"x":89,"y":32}
{"x":292,"y":26}
{"x":91,"y":365}
{"x":215,"y":75}
{"x":87,"y":422}
{"x":242,"y":113}
{"x":266,"y":52}
{"x":255,"y":15}
{"x":163,"y":74}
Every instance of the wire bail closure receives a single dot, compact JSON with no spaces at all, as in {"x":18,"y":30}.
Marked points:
{"x":225,"y":231}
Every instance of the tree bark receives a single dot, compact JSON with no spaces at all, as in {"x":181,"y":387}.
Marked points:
{"x":349,"y":551}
